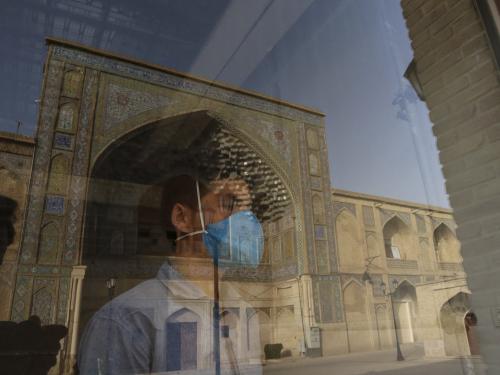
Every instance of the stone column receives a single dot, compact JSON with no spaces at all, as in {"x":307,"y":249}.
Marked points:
{"x":458,"y":73}
{"x":73,"y":318}
{"x":242,"y":332}
{"x":306,"y":297}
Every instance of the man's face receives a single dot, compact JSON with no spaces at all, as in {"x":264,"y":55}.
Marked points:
{"x":225,"y":197}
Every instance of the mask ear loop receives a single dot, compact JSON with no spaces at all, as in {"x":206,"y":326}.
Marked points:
{"x":203,"y":230}
{"x":199,"y":207}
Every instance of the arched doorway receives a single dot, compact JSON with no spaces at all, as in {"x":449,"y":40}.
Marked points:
{"x":358,"y":321}
{"x":184,"y":334}
{"x":456,"y":325}
{"x":446,"y":245}
{"x":404,"y":300}
{"x":286,"y":328}
{"x":397,"y":238}
{"x":259,"y":332}
{"x":125,"y":233}
{"x":230,"y":335}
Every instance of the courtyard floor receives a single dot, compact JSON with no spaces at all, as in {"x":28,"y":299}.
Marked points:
{"x":376,"y":363}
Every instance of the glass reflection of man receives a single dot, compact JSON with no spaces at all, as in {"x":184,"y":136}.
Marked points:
{"x":135,"y":333}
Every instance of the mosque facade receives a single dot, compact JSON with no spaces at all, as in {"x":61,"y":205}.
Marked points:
{"x":340,"y":270}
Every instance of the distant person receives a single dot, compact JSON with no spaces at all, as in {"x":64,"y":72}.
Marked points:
{"x":26,"y":348}
{"x":470,"y":328}
{"x":132,"y":334}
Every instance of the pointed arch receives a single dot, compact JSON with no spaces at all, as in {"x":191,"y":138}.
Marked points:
{"x":405,"y":290}
{"x":183,"y":315}
{"x":342,"y":210}
{"x":127,"y":160}
{"x":395,"y":222}
{"x":259,"y":332}
{"x":394,"y":215}
{"x":452,"y":314}
{"x":446,"y":245}
{"x":450,"y":224}
{"x":404,"y":299}
{"x":350,"y":281}
{"x":230,"y":324}
{"x":397,"y":238}
{"x":286,"y":327}
{"x":184,"y":333}
{"x":269,"y":156}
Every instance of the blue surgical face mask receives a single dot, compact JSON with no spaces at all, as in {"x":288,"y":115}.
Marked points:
{"x":238,"y":238}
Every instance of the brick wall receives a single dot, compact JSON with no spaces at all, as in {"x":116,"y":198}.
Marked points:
{"x":461,"y":85}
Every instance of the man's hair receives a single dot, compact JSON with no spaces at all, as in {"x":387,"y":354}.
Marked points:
{"x":179,"y":189}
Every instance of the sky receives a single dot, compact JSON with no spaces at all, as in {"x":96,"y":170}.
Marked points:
{"x":343,"y":57}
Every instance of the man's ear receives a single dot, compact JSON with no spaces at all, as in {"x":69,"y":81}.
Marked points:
{"x":182,"y":218}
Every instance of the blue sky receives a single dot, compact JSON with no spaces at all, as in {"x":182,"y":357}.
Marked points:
{"x":344,"y":57}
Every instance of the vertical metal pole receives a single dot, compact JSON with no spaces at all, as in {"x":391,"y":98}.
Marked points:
{"x":216,"y":313}
{"x":301,"y":301}
{"x":378,"y":330}
{"x":398,"y":347}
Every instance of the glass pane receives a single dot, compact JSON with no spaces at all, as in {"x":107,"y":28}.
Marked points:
{"x":248,"y":187}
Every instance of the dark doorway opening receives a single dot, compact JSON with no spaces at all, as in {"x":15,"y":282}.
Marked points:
{"x":181,"y":346}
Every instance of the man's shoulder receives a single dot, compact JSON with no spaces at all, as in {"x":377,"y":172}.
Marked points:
{"x":143,"y":299}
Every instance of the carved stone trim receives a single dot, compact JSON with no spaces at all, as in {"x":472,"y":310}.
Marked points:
{"x":436,"y":222}
{"x":339,"y":206}
{"x":307,"y":206}
{"x":251,"y":311}
{"x":389,"y":214}
{"x":184,"y":84}
{"x":41,"y":162}
{"x":78,"y":184}
{"x":333,"y":283}
{"x":413,"y":280}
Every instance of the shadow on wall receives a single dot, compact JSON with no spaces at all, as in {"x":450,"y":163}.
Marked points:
{"x":7,"y":211}
{"x":26,"y":348}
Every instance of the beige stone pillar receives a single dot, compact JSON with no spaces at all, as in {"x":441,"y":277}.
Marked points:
{"x":306,"y":297}
{"x":242,"y":328}
{"x":73,"y":317}
{"x":458,"y":73}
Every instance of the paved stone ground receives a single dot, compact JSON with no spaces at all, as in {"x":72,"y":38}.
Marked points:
{"x":374,"y":363}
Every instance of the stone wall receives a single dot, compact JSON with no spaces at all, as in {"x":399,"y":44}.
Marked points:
{"x":421,"y":233}
{"x":456,"y":68}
